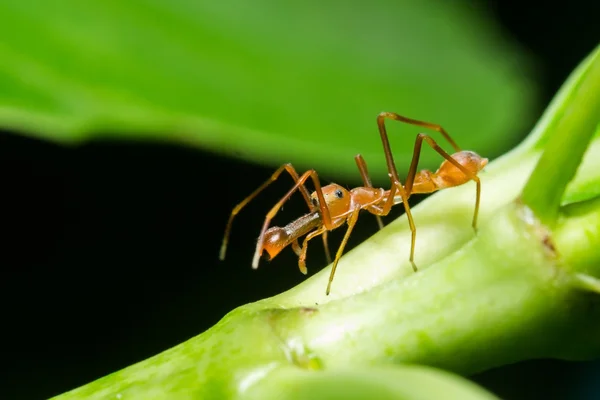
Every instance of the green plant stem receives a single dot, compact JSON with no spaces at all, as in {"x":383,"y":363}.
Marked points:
{"x":564,"y":150}
{"x":353,"y":383}
{"x":504,"y":297}
{"x":506,"y":280}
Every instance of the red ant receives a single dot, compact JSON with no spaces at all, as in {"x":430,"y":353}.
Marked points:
{"x":332,"y":205}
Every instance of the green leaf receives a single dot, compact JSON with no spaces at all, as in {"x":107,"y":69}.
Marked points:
{"x":274,"y":82}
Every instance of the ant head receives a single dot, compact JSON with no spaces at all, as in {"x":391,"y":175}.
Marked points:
{"x":336,"y":197}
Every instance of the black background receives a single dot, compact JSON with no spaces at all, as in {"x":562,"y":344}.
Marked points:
{"x":109,"y":252}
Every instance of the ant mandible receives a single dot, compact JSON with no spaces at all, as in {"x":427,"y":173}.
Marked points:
{"x":332,"y":205}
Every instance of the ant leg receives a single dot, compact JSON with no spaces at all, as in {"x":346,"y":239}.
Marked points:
{"x":324,"y":210}
{"x":296,"y":247}
{"x":286,"y":167}
{"x":351,"y":222}
{"x":469,"y":174}
{"x":410,"y":121}
{"x":302,"y":255}
{"x":326,"y":245}
{"x":364,"y":173}
{"x":404,"y":194}
{"x":298,"y":250}
{"x":395,"y":179}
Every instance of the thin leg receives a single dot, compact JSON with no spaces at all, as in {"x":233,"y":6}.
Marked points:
{"x":364,"y":173}
{"x":325,"y":215}
{"x":397,"y":186}
{"x":393,"y":173}
{"x":299,"y":251}
{"x":351,"y":222}
{"x":326,"y":246}
{"x":415,"y":161}
{"x":286,"y":167}
{"x":302,"y":255}
{"x":296,"y":247}
{"x":428,"y":125}
{"x":404,"y":194}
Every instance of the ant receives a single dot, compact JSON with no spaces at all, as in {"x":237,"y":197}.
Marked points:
{"x":332,"y":205}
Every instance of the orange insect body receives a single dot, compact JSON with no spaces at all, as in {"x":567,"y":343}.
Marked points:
{"x":331,"y":206}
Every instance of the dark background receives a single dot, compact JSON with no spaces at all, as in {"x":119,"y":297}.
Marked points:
{"x":110,"y":249}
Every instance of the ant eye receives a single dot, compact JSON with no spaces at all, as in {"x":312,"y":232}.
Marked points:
{"x":315,"y":201}
{"x":339,"y":194}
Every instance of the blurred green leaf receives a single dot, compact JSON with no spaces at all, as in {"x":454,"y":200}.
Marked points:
{"x":297,"y":81}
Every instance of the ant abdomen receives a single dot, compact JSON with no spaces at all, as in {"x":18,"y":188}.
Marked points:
{"x":450,"y":175}
{"x":470,"y":160}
